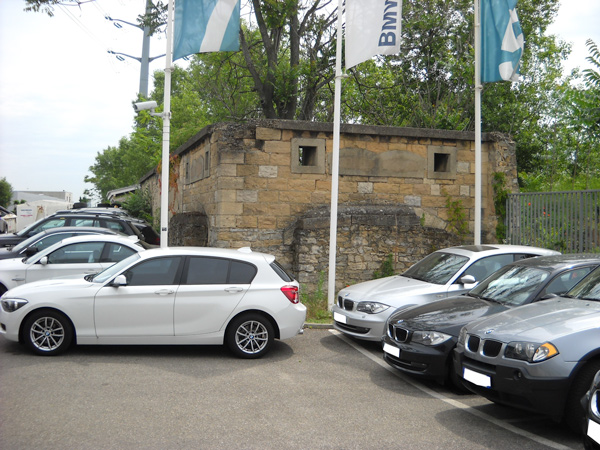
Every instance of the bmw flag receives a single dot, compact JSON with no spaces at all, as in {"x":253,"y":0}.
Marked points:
{"x":206,"y":26}
{"x":373,"y":27}
{"x":502,"y":41}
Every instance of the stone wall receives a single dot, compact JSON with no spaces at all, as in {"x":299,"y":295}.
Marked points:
{"x":266,"y":184}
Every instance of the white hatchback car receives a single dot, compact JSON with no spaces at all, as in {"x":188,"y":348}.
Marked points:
{"x":169,"y":296}
{"x":361,"y":310}
{"x":87,"y":254}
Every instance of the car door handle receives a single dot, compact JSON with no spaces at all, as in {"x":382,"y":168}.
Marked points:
{"x":164,"y":292}
{"x":19,"y":279}
{"x":234,"y":289}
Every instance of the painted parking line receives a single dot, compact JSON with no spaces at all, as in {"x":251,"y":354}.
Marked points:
{"x":450,"y":401}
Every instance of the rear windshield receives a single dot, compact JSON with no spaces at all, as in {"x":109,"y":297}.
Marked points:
{"x":283,"y":274}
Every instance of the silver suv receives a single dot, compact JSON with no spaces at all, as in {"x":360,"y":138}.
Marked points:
{"x":540,"y":357}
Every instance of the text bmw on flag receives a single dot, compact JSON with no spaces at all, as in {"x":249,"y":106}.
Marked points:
{"x":206,"y":26}
{"x":372,"y":28}
{"x":502,"y":41}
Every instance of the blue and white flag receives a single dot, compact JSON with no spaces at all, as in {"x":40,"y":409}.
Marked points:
{"x":372,"y":28}
{"x":502,"y":41}
{"x":206,"y":26}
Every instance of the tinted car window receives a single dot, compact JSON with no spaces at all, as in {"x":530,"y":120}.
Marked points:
{"x":484,"y":267}
{"x":203,"y":270}
{"x":156,"y":271}
{"x":436,"y":268}
{"x":283,"y":274}
{"x":116,"y":253}
{"x":83,"y":252}
{"x":241,"y":272}
{"x":84,"y":223}
{"x":566,"y":281}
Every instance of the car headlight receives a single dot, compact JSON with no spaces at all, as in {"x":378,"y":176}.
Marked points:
{"x":371,"y":307}
{"x":12,"y":304}
{"x":429,"y":337}
{"x":462,"y":336}
{"x":530,"y":351}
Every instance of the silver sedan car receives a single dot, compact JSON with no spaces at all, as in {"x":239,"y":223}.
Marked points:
{"x":361,"y":310}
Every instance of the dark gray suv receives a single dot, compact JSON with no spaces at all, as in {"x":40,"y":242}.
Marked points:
{"x":128,"y":226}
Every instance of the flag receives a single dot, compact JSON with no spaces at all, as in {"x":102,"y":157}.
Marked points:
{"x":502,"y":41}
{"x":206,"y":26}
{"x":372,"y":28}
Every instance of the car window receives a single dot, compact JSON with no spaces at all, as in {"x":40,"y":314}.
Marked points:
{"x":115,"y":226}
{"x":52,"y":239}
{"x":564,"y":282}
{"x":205,"y":270}
{"x":116,"y":252}
{"x":158,"y":271}
{"x":589,"y":288}
{"x":483,"y":268}
{"x":515,"y":286}
{"x":52,"y":223}
{"x":241,"y":272}
{"x":79,"y":253}
{"x":283,"y":274}
{"x":437,"y":268}
{"x":83,"y":222}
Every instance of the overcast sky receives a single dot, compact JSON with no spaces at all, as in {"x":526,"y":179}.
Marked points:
{"x":64,"y":98}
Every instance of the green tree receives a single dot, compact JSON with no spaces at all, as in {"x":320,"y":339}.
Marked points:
{"x":6,"y":192}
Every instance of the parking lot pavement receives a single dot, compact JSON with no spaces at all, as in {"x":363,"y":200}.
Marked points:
{"x":316,"y":391}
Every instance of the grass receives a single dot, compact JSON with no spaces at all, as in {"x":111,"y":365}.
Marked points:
{"x":316,"y":304}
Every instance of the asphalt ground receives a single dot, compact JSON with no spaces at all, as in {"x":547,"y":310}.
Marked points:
{"x":320,"y":390}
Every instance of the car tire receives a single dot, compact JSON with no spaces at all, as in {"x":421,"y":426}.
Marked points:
{"x":574,"y":413}
{"x":47,"y":333}
{"x":2,"y":290}
{"x":249,"y":336}
{"x":454,"y":381}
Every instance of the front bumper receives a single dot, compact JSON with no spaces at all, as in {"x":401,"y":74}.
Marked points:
{"x":511,"y":385}
{"x":431,"y":362}
{"x":370,"y":327}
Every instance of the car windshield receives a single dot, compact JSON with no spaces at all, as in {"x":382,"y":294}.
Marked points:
{"x":436,"y":268}
{"x":115,"y":269}
{"x":588,"y":288}
{"x":27,"y":242}
{"x":512,"y":285}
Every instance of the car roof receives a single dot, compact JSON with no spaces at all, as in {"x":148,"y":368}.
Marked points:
{"x":557,"y":262}
{"x":244,"y":253}
{"x":99,"y":237}
{"x":96,"y":230}
{"x":495,"y":249}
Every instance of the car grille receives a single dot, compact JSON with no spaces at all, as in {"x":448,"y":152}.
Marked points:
{"x":490,"y":347}
{"x":345,"y":303}
{"x":398,"y":334}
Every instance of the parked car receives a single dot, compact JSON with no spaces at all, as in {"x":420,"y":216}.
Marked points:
{"x":362,"y":310}
{"x":46,"y":238}
{"x":179,"y":295}
{"x":75,"y":219}
{"x":88,"y":254}
{"x":591,"y":407}
{"x":420,"y":341}
{"x":540,"y":357}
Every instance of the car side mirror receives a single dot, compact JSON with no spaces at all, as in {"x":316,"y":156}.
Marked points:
{"x":43,"y":261}
{"x":119,"y":280}
{"x":468,"y":279}
{"x":31,"y":251}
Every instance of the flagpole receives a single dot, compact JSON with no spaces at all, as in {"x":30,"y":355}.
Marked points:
{"x":478,"y":89}
{"x":335,"y":163}
{"x":166,"y":116}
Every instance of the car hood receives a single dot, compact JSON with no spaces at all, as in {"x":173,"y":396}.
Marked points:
{"x":542,"y":321}
{"x":58,"y":284}
{"x":386,"y":289}
{"x":447,"y":316}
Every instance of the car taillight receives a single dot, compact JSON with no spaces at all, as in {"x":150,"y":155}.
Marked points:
{"x":291,"y":292}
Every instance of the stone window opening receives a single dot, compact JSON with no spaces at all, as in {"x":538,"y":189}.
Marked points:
{"x":308,"y":155}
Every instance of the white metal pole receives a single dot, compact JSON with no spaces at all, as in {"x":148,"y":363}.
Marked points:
{"x":335,"y":163}
{"x":478,"y":89}
{"x":164,"y":194}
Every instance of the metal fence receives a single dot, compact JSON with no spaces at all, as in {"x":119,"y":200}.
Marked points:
{"x":565,"y":221}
